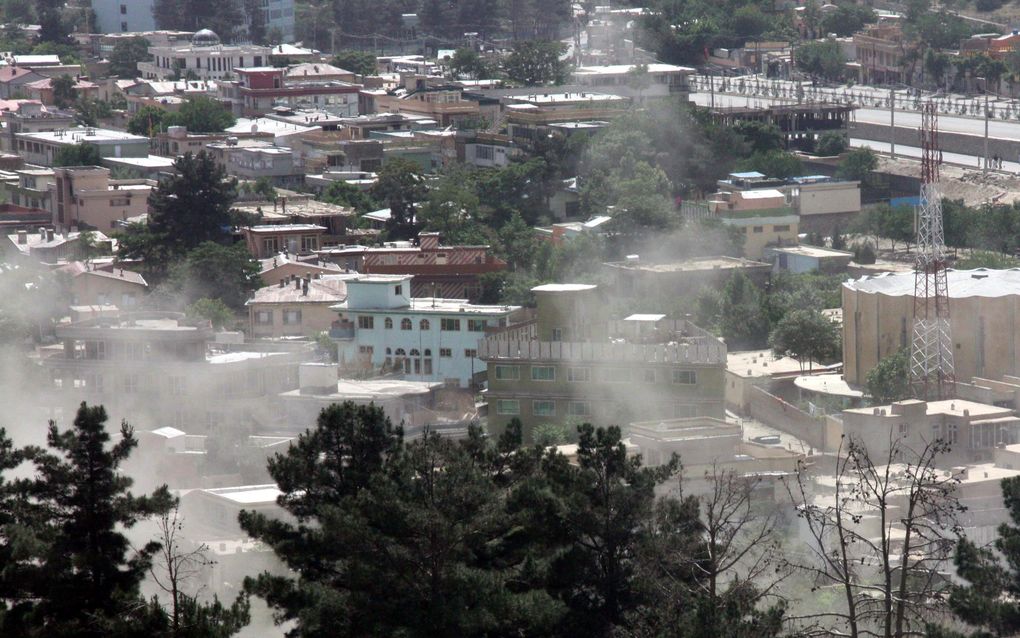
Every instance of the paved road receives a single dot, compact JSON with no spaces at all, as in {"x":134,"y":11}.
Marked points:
{"x":959,"y":159}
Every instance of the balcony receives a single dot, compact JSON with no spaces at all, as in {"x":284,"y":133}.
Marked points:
{"x":689,"y":351}
{"x":342,"y":331}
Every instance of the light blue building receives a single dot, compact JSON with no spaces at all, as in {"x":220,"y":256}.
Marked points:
{"x":382,"y":328}
{"x":123,"y":16}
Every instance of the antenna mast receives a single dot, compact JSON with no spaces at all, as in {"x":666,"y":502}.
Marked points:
{"x":931,"y":350}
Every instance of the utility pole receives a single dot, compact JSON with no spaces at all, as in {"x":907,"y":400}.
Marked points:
{"x":711,"y":83}
{"x":986,"y":126}
{"x":892,"y":123}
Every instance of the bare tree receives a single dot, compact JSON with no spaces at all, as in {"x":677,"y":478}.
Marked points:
{"x":175,"y":565}
{"x":882,"y":538}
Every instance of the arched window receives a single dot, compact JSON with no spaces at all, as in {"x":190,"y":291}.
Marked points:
{"x":416,"y":358}
{"x":405,"y":324}
{"x":400,"y":360}
{"x":424,"y":324}
{"x":389,"y":357}
{"x":388,"y":323}
{"x":426,"y":364}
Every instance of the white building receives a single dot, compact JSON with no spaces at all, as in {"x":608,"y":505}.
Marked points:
{"x":122,"y":16}
{"x":205,"y":56}
{"x":429,"y":339}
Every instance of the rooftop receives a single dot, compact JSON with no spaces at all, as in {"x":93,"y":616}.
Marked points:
{"x":563,"y":287}
{"x":760,"y":363}
{"x":980,"y":282}
{"x":247,"y":494}
{"x":690,"y":265}
{"x":329,"y":289}
{"x":613,"y":69}
{"x":83,"y":134}
{"x":372,"y":389}
{"x":949,"y":407}
{"x":286,"y":228}
{"x":808,"y":250}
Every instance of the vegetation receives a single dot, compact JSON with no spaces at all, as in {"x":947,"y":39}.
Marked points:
{"x":126,"y":55}
{"x":198,"y":114}
{"x":806,"y":335}
{"x":357,"y":62}
{"x":536,"y":63}
{"x":821,"y":59}
{"x":890,"y":380}
{"x":80,"y":154}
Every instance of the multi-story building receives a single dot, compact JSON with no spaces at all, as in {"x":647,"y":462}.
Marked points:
{"x":87,"y":197}
{"x":529,"y":117}
{"x":383,"y":328}
{"x":92,"y":286}
{"x":297,"y":307}
{"x":42,"y":147}
{"x":206,"y":57}
{"x":31,"y":188}
{"x":121,"y":16}
{"x":881,"y":53}
{"x":268,"y":240}
{"x":664,"y":80}
{"x":573,"y":364}
{"x":800,"y":124}
{"x":445,"y":105}
{"x":822,"y":202}
{"x":763,"y":214}
{"x":258,"y":90}
{"x":30,"y":116}
{"x":451,"y":272}
{"x":158,"y":368}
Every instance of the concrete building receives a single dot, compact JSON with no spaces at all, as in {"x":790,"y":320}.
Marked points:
{"x":664,"y":80}
{"x":41,"y":147}
{"x":29,"y":116}
{"x":881,"y":50}
{"x":86,"y":197}
{"x":160,"y":369}
{"x":682,"y":278}
{"x":275,"y":163}
{"x":92,"y":286}
{"x":800,"y":124}
{"x":823,"y":203}
{"x":984,"y":310}
{"x":32,"y":188}
{"x":451,"y":272}
{"x":120,"y":16}
{"x":804,"y":258}
{"x":205,"y":56}
{"x":296,"y":307}
{"x":14,"y":78}
{"x":446,"y":106}
{"x":295,"y":208}
{"x":284,"y":266}
{"x":46,"y":246}
{"x":267,"y":240}
{"x":574,"y":364}
{"x":42,"y":90}
{"x":258,"y":90}
{"x":383,"y":328}
{"x":763,"y":214}
{"x":974,"y":430}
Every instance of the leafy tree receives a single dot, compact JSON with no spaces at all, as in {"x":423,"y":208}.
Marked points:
{"x":536,"y":63}
{"x":838,"y":241}
{"x":126,"y":55}
{"x":202,"y":115}
{"x":847,"y":19}
{"x":986,"y":259}
{"x":750,"y":22}
{"x":343,"y":193}
{"x":212,"y":271}
{"x":773,"y":163}
{"x":830,"y":143}
{"x":822,"y":59}
{"x":743,"y":324}
{"x":518,"y":242}
{"x":864,"y":253}
{"x":90,"y":111}
{"x":858,"y":164}
{"x":761,"y":137}
{"x":467,"y":62}
{"x":890,"y":380}
{"x":148,"y":121}
{"x":80,"y":154}
{"x":987,"y":601}
{"x":806,"y":334}
{"x":76,"y":573}
{"x":262,"y":187}
{"x":400,"y":185}
{"x":937,"y":64}
{"x":215,"y":311}
{"x":226,"y":18}
{"x":64,"y":93}
{"x":357,"y":62}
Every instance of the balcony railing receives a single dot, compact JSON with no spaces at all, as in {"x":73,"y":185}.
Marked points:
{"x":694,"y":350}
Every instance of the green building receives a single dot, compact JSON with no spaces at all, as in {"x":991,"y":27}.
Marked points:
{"x":574,"y":364}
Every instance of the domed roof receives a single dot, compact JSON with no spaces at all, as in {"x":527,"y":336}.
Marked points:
{"x":205,"y":38}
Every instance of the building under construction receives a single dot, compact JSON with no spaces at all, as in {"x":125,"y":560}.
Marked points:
{"x":800,"y":124}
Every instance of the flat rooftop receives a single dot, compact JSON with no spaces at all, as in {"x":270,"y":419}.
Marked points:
{"x":83,"y":134}
{"x":760,"y":363}
{"x":371,"y":389}
{"x":980,"y":282}
{"x":951,"y":407}
{"x":810,"y":251}
{"x":428,"y":305}
{"x":563,"y":287}
{"x":247,"y":494}
{"x":690,"y":265}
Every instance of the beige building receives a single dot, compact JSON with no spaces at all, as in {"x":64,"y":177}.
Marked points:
{"x":636,"y":277}
{"x":85,"y":196}
{"x":296,"y":307}
{"x":984,"y":309}
{"x":91,"y":286}
{"x":763,"y":214}
{"x":973,"y":430}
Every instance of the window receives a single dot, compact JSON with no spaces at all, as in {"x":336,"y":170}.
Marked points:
{"x":578,"y":375}
{"x":649,"y":375}
{"x":781,"y":228}
{"x":366,"y":323}
{"x":557,"y":334}
{"x":445,"y":352}
{"x":309,"y":243}
{"x":578,"y":408}
{"x":543,"y":408}
{"x":904,"y":429}
{"x":291,"y":317}
{"x":123,"y":9}
{"x":543,"y":373}
{"x":483,"y":152}
{"x":398,"y":290}
{"x":264,"y":317}
{"x":449,"y":325}
{"x":936,"y":431}
{"x":470,"y":353}
{"x":423,"y":324}
{"x":508,"y":373}
{"x":388,"y":323}
{"x":405,"y":324}
{"x":176,"y":386}
{"x":616,"y":375}
{"x":131,"y":384}
{"x":685,"y":377}
{"x":758,"y":229}
{"x":476,"y":325}
{"x":366,"y":349}
{"x":508,"y":406}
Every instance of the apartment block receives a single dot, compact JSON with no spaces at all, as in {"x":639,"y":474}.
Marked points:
{"x":574,"y":364}
{"x":86,"y":197}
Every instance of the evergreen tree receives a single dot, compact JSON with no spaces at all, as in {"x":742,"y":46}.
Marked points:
{"x":400,"y":185}
{"x":192,"y":206}
{"x":126,"y":55}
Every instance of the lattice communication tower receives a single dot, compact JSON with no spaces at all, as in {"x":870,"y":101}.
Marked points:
{"x":931,"y":349}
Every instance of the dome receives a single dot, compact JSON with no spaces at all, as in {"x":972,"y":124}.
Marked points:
{"x":205,"y":38}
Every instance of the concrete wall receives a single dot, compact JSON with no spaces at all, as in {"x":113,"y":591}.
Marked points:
{"x":950,"y":142}
{"x":315,"y":318}
{"x":773,"y":411}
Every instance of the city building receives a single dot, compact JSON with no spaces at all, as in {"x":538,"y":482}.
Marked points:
{"x":800,"y":124}
{"x":41,"y":147}
{"x":42,"y":90}
{"x":881,"y":52}
{"x":205,"y":56}
{"x":383,"y":328}
{"x":317,"y":72}
{"x":763,"y":214}
{"x":445,"y":105}
{"x":823,"y":203}
{"x":984,"y":311}
{"x":86,"y":197}
{"x":14,"y":78}
{"x":804,"y":258}
{"x":297,"y":307}
{"x":655,"y":279}
{"x":529,"y":117}
{"x":46,"y":246}
{"x":574,"y":364}
{"x":258,"y":90}
{"x":162,"y":369}
{"x":296,"y":208}
{"x":664,"y":80}
{"x":285,"y":266}
{"x":450,"y":272}
{"x":94,"y":286}
{"x":30,"y":187}
{"x":268,"y":240}
{"x":274,"y":163}
{"x":29,"y":116}
{"x":973,"y":430}
{"x":120,"y":16}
